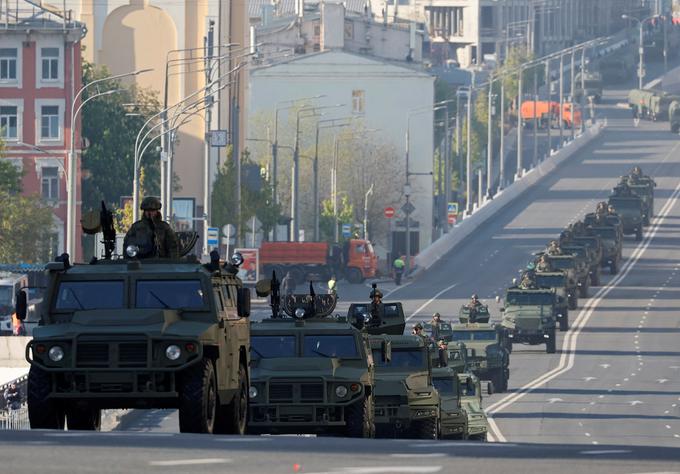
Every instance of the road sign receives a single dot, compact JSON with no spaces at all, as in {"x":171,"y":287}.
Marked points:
{"x":228,"y":230}
{"x":213,"y":234}
{"x":346,"y":230}
{"x":389,"y":212}
{"x":452,"y":219}
{"x":452,"y":208}
{"x":408,"y":208}
{"x":218,"y":138}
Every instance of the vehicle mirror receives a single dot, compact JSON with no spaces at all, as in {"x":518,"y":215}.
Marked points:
{"x":243,"y":303}
{"x":386,"y":351}
{"x":263,"y":288}
{"x":21,"y":305}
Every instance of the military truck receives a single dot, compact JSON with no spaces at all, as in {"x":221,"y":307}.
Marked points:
{"x":618,"y":66}
{"x":310,"y":372}
{"x":576,"y":270}
{"x":406,"y":402}
{"x":530,"y":316}
{"x":454,"y":418}
{"x":650,"y":104}
{"x":558,"y":281}
{"x":612,"y":246}
{"x":674,"y":116}
{"x":646,"y":195}
{"x":595,"y":249}
{"x":471,"y":401}
{"x":630,"y":210}
{"x":590,"y":86}
{"x":152,"y":333}
{"x":443,"y":332}
{"x":486,"y":357}
{"x":588,"y":255}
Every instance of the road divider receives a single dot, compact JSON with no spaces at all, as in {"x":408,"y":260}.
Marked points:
{"x":429,"y":256}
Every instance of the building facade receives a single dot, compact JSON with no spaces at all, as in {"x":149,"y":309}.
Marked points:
{"x":40,"y":75}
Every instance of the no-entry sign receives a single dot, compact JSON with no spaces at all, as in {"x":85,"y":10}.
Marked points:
{"x":389,"y":212}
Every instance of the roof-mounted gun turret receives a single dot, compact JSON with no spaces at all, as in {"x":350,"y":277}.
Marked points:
{"x":297,"y":306}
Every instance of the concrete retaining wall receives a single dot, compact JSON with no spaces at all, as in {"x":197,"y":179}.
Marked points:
{"x":448,"y":242}
{"x":12,"y":351}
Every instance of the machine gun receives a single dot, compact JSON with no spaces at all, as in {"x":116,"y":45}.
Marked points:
{"x":93,"y":222}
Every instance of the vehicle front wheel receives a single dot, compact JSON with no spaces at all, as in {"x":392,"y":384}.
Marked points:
{"x":425,"y":429}
{"x":595,"y":277}
{"x":573,"y":301}
{"x":359,"y":420}
{"x":564,"y":321}
{"x":198,"y":398}
{"x":354,"y":275}
{"x":43,"y":412}
{"x":550,"y":343}
{"x":233,"y":418}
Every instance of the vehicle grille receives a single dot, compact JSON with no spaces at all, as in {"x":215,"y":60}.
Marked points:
{"x":111,"y":354}
{"x":281,"y":393}
{"x":296,"y":392}
{"x":311,"y":392}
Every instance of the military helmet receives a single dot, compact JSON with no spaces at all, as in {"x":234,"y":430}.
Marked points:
{"x":637,"y":170}
{"x":376,"y":292}
{"x":417,"y":326}
{"x":150,"y":203}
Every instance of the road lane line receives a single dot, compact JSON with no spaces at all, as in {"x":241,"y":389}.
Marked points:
{"x":427,"y":303}
{"x":190,"y":462}
{"x":568,"y":355}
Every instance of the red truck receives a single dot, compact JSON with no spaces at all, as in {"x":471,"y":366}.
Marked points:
{"x":354,"y":260}
{"x":548,"y":113}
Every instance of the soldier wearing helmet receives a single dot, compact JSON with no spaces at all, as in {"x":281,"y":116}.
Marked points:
{"x":153,"y":236}
{"x":376,"y":307}
{"x":554,"y":248}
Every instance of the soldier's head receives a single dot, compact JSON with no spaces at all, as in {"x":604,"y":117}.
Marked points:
{"x":442,"y":344}
{"x":437,"y":317}
{"x":474,"y":298}
{"x":417,"y":329}
{"x":543,"y":259}
{"x":637,"y":171}
{"x":151,"y":207}
{"x":13,"y":386}
{"x":376,"y":295}
{"x":611,"y":209}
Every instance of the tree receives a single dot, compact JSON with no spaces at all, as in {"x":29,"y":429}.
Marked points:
{"x":110,"y":129}
{"x":327,"y":219}
{"x":26,"y":223}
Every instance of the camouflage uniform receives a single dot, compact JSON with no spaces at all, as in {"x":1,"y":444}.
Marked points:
{"x":543,"y":266}
{"x":527,"y":282}
{"x":554,"y":249}
{"x":154,"y":237}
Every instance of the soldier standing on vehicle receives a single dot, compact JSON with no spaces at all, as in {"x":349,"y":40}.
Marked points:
{"x":12,"y":397}
{"x":436,"y":326}
{"x":543,"y":265}
{"x":376,"y":308}
{"x":398,"y":266}
{"x":418,"y":331}
{"x":553,"y":248}
{"x":443,"y":353}
{"x":611,"y":211}
{"x":528,"y":281}
{"x":153,"y":236}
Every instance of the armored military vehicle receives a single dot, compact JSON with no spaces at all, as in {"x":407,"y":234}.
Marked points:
{"x":588,"y":255}
{"x":443,"y":332}
{"x":471,"y":401}
{"x":387,"y":318}
{"x":153,"y":333}
{"x":645,"y":192}
{"x":311,"y":372}
{"x":650,"y":104}
{"x":629,"y":207}
{"x":487,"y":356}
{"x":595,"y":248}
{"x":406,"y":402}
{"x":576,"y":273}
{"x":618,"y":66}
{"x":530,"y":316}
{"x":454,"y":419}
{"x":474,"y":314}
{"x":558,"y":281}
{"x":589,"y":86}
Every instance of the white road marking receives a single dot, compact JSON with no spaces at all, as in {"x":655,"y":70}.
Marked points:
{"x":635,"y":402}
{"x":554,"y":400}
{"x":662,"y":380}
{"x":419,"y":455}
{"x":427,"y":303}
{"x":453,"y":444}
{"x":253,"y":439}
{"x":607,"y":451}
{"x":568,"y":355}
{"x":588,"y":379}
{"x":383,"y":469}
{"x":190,"y":462}
{"x":605,"y":366}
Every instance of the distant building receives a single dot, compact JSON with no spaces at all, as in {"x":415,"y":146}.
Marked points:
{"x":40,"y":73}
{"x":372,"y":68}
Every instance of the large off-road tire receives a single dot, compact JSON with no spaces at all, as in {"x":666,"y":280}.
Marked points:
{"x":564,"y":321}
{"x":583,"y":289}
{"x":425,"y":429}
{"x":198,"y":398}
{"x":43,"y":412}
{"x":614,"y":267}
{"x":354,"y":275}
{"x":359,"y":419}
{"x":550,"y":344}
{"x":479,"y":437}
{"x":232,"y":418}
{"x":83,"y":418}
{"x":595,"y":277}
{"x":638,"y":234}
{"x":572,"y":301}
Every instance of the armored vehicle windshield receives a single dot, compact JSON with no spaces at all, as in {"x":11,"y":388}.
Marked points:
{"x":445,"y":384}
{"x":626,"y":203}
{"x":340,"y":346}
{"x":476,"y":335}
{"x":552,"y":280}
{"x":412,"y":358}
{"x":529,"y":298}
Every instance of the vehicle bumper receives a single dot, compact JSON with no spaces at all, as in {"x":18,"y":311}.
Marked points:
{"x":530,"y":336}
{"x":453,"y":429}
{"x":285,"y":419}
{"x":399,"y":418}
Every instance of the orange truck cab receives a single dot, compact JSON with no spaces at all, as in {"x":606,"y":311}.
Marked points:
{"x":354,"y":260}
{"x":548,"y":114}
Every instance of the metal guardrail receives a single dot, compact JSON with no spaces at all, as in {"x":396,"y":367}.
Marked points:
{"x":16,"y":419}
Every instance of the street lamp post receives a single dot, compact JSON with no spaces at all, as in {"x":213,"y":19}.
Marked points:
{"x":641,"y":46}
{"x":368,"y":193}
{"x":71,"y":175}
{"x":501,"y":151}
{"x":519,"y":124}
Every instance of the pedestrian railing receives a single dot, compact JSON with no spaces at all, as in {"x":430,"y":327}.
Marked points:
{"x":14,"y":419}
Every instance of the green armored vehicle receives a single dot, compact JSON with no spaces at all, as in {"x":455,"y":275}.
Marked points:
{"x":590,"y":86}
{"x":311,"y":373}
{"x":530,"y":316}
{"x":650,"y":104}
{"x":454,"y":418}
{"x":487,"y":356}
{"x":595,"y":249}
{"x":406,"y":402}
{"x":153,"y":333}
{"x":674,"y":116}
{"x":474,"y":314}
{"x":629,"y":207}
{"x":645,"y":192}
{"x":589,"y":256}
{"x":558,"y":281}
{"x":471,"y":401}
{"x":576,"y":272}
{"x":443,"y":331}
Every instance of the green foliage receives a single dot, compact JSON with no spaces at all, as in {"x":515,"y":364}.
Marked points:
{"x":253,"y":203}
{"x":108,"y":161}
{"x":327,"y":219}
{"x":26,"y":223}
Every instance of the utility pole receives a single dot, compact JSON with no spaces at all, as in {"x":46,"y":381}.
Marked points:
{"x":548,"y":84}
{"x":368,"y":193}
{"x":209,"y":99}
{"x":571,"y":95}
{"x":501,"y":154}
{"x":561,"y":100}
{"x":489,"y":141}
{"x":468,"y":187}
{"x":447,"y":170}
{"x":535,"y":157}
{"x":519,"y":125}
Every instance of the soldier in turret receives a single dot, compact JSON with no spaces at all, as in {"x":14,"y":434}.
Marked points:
{"x":376,"y":308}
{"x":153,"y":236}
{"x":543,"y":265}
{"x":528,"y":280}
{"x":611,"y":210}
{"x":553,"y":248}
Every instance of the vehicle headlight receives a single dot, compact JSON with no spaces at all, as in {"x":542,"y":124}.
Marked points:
{"x":173,"y":352}
{"x":299,"y":313}
{"x":252,"y":392}
{"x":56,"y":353}
{"x":132,"y":251}
{"x":341,"y":391}
{"x":236,"y":259}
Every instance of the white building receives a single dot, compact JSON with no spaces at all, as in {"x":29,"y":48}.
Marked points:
{"x":382,"y":92}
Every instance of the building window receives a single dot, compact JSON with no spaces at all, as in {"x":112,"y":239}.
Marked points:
{"x":49,"y":122}
{"x":50,"y":64}
{"x":50,"y":183}
{"x":8,"y":122}
{"x":358,"y":102}
{"x":8,"y":64}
